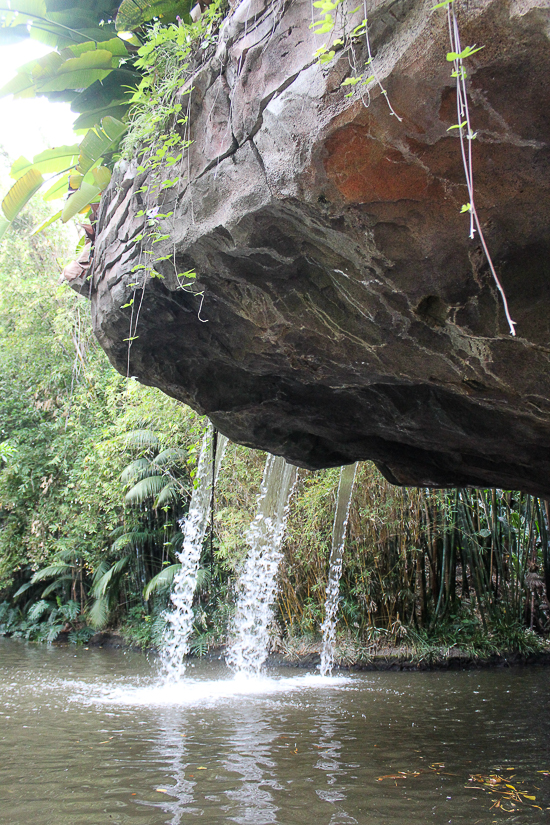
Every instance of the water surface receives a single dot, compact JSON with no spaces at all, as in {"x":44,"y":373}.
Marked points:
{"x":91,"y":737}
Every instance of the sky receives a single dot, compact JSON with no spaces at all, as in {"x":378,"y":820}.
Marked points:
{"x":31,"y":125}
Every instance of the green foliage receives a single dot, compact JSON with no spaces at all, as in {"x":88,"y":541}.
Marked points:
{"x":96,"y":72}
{"x":87,"y":537}
{"x":144,"y":629}
{"x":132,"y":15}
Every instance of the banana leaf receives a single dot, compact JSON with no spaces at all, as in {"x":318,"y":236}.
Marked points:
{"x":82,"y":198}
{"x":51,"y":160}
{"x":21,"y":193}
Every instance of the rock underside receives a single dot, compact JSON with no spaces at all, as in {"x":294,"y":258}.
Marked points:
{"x":340,"y":311}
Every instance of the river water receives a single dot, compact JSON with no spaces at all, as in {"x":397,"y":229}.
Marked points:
{"x":90,"y":737}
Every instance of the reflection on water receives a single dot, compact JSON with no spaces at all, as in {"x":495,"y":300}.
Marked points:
{"x":90,"y":737}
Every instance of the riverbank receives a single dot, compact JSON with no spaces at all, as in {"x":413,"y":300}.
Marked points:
{"x":304,"y":653}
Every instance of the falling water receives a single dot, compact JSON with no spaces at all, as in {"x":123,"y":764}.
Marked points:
{"x":343,"y":501}
{"x":258,"y":579}
{"x":180,"y":618}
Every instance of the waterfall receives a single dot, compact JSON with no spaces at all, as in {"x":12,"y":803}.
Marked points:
{"x":343,"y":502}
{"x":258,"y":580}
{"x":180,"y":618}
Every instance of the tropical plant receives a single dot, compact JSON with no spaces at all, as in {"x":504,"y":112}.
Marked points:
{"x":92,"y":69}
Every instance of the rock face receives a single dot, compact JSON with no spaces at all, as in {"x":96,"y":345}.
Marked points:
{"x":340,"y":310}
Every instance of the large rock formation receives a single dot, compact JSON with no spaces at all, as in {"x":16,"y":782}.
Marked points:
{"x":340,"y":311}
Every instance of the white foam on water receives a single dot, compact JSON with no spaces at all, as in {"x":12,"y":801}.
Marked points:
{"x":190,"y":692}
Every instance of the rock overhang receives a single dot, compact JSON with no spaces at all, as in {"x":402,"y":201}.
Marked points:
{"x":340,"y":311}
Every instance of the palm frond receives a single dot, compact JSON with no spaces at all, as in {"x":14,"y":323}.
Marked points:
{"x":134,"y":538}
{"x":136,"y":470}
{"x":168,"y":495}
{"x":169,"y":456}
{"x":162,"y":581}
{"x":98,"y":614}
{"x":55,"y":584}
{"x":146,"y":488}
{"x":22,"y":589}
{"x":100,"y":571}
{"x":203,"y":577}
{"x":54,"y":570}
{"x":109,"y":578}
{"x":142,"y":439}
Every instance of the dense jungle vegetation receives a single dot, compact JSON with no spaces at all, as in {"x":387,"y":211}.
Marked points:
{"x":96,"y":470}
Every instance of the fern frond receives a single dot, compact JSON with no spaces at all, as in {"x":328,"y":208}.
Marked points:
{"x":37,"y":610}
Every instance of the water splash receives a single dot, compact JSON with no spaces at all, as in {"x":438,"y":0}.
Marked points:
{"x":343,"y":502}
{"x":258,"y":579}
{"x":180,"y":618}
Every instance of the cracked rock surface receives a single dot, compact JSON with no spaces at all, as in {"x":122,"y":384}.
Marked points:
{"x":340,"y":310}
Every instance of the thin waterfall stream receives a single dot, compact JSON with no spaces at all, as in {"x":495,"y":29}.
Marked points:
{"x":341,"y":516}
{"x":180,"y":618}
{"x":258,"y":580}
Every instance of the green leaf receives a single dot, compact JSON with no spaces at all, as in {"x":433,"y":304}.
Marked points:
{"x":149,"y":487}
{"x":46,"y":223}
{"x":134,"y":13}
{"x":98,"y":615}
{"x":4,"y":226}
{"x":22,"y":589}
{"x":53,"y":570}
{"x":87,"y":120}
{"x":137,"y":469}
{"x":142,"y":439}
{"x":323,"y":26}
{"x":168,"y":495}
{"x":162,"y":581}
{"x":102,"y":177}
{"x":21,"y":193}
{"x":55,"y":584}
{"x":79,"y":201}
{"x":79,"y":72}
{"x":98,"y":141}
{"x":101,"y":587}
{"x":16,"y":85}
{"x":58,"y":190}
{"x":115,"y":45}
{"x":169,"y":456}
{"x":51,"y":160}
{"x":467,"y":52}
{"x":351,"y":81}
